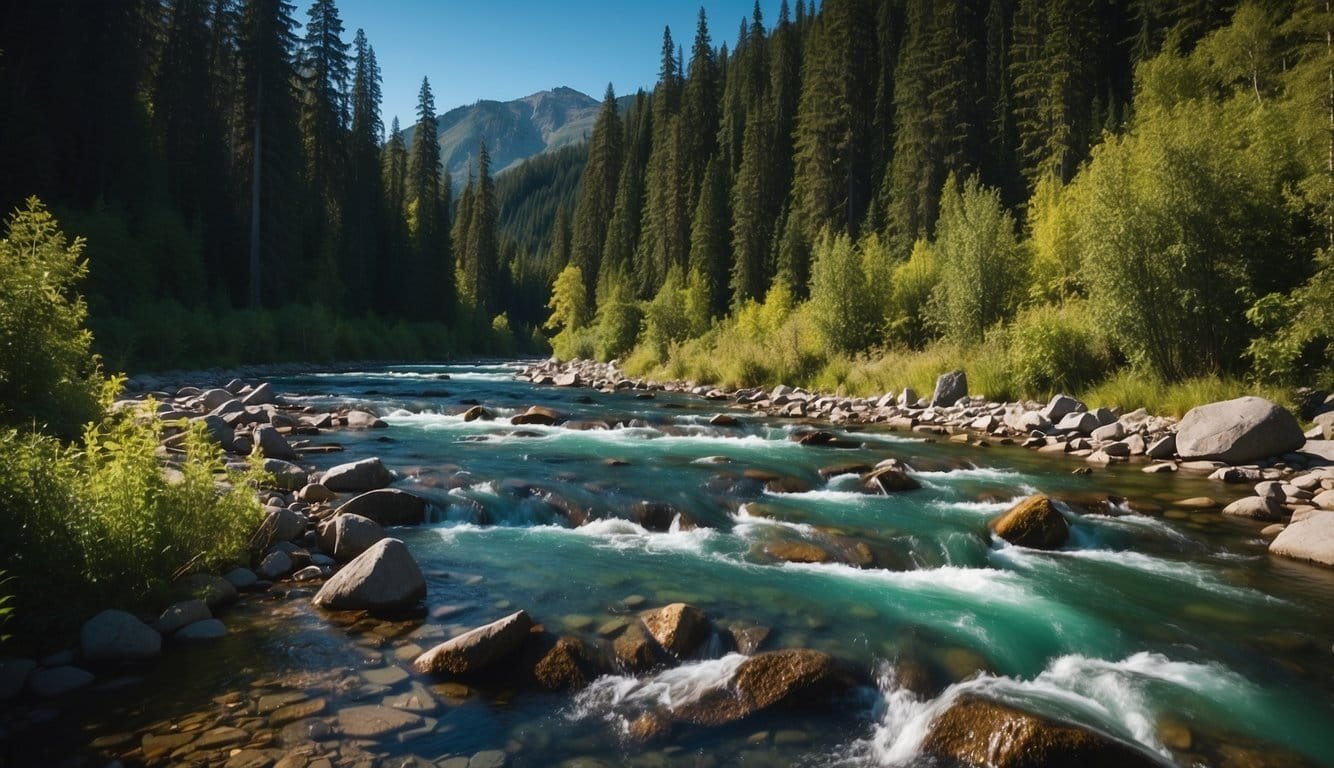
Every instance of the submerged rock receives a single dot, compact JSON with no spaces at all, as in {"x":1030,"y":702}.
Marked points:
{"x":383,"y":578}
{"x":477,"y":648}
{"x":795,"y":678}
{"x":1238,"y":431}
{"x":1033,"y":522}
{"x":387,"y":506}
{"x":887,"y":479}
{"x":797,"y":552}
{"x":982,"y":732}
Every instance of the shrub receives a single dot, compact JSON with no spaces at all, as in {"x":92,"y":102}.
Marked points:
{"x":48,"y":376}
{"x":913,"y":282}
{"x":1055,"y":349}
{"x":841,"y":304}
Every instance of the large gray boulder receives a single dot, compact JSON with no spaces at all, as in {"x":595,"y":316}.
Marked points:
{"x":387,"y":506}
{"x":261,"y":395}
{"x":1238,"y":431}
{"x":350,"y":535}
{"x":950,"y":388}
{"x":365,"y":475}
{"x":219,"y":431}
{"x":114,"y":635}
{"x":1061,"y":405}
{"x":477,"y":648}
{"x":1310,"y":539}
{"x":285,"y":474}
{"x":384,"y":578}
{"x":270,"y":443}
{"x":280,"y":524}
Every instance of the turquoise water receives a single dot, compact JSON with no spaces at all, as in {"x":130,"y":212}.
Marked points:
{"x":1152,"y":622}
{"x":1140,"y":619}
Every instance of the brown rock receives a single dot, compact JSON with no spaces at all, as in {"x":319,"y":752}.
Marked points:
{"x":788,"y":679}
{"x":982,"y":732}
{"x":477,"y":412}
{"x":889,"y":479}
{"x":649,"y":727}
{"x":1034,"y":523}
{"x":569,"y":664}
{"x":477,"y":648}
{"x":538,"y":414}
{"x":797,"y":552}
{"x":637,"y":651}
{"x":679,"y":627}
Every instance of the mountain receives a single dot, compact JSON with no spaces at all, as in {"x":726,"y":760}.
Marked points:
{"x":514,"y":130}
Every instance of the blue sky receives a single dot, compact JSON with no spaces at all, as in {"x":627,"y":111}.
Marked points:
{"x":506,"y":49}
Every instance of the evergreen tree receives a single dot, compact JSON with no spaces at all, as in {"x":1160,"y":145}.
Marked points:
{"x":364,"y":230}
{"x":709,"y":238}
{"x":480,"y":255}
{"x":324,"y":74}
{"x":699,"y":111}
{"x":597,"y":198}
{"x":430,"y":271}
{"x":755,"y":205}
{"x":272,"y":151}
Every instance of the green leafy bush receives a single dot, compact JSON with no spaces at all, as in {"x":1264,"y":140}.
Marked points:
{"x":48,"y":377}
{"x":1055,"y":349}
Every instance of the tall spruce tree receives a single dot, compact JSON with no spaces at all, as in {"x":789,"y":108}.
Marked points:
{"x":365,"y":233}
{"x":480,"y":255}
{"x":430,"y":273}
{"x":597,"y":197}
{"x":709,"y":238}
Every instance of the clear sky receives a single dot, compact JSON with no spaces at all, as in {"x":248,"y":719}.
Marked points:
{"x":507,"y":49}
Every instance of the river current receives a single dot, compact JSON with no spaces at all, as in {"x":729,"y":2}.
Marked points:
{"x":1157,"y":623}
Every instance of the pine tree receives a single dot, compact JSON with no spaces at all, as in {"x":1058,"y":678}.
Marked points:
{"x":756,"y":203}
{"x":619,"y":249}
{"x":269,"y":111}
{"x":430,"y":272}
{"x":597,"y":198}
{"x":481,"y":252}
{"x":365,"y":232}
{"x":699,"y":110}
{"x":709,"y":238}
{"x":324,"y":74}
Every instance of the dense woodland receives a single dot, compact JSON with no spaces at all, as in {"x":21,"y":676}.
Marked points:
{"x":1057,"y":194}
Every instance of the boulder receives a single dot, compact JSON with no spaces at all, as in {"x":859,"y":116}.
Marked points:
{"x":280,"y":524}
{"x":180,"y":614}
{"x":270,"y":443}
{"x":275,"y":565}
{"x":950,"y":388}
{"x":1060,"y":406}
{"x":797,"y":552}
{"x":1033,"y":522}
{"x":384,"y":578}
{"x":1310,"y":539}
{"x":477,"y":648}
{"x":387,"y":506}
{"x":357,"y":476}
{"x":353,"y":534}
{"x":1238,"y":431}
{"x":261,"y":395}
{"x":219,"y":431}
{"x":241,"y":578}
{"x":908,"y":398}
{"x":114,"y":635}
{"x":1082,"y":422}
{"x":54,"y":681}
{"x":679,"y":628}
{"x":214,"y":398}
{"x":1109,"y":432}
{"x":537,"y":414}
{"x":794,"y":678}
{"x":357,"y":419}
{"x":889,"y":479}
{"x":1256,"y":508}
{"x":315,"y":493}
{"x":285,"y":475}
{"x":569,"y":664}
{"x":212,"y":589}
{"x":975,"y":731}
{"x":201,"y":631}
{"x":476,"y":413}
{"x":13,"y":674}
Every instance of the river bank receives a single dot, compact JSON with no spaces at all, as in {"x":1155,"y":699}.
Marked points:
{"x":586,"y":509}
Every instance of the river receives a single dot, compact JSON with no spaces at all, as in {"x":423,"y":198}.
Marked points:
{"x":1157,"y":623}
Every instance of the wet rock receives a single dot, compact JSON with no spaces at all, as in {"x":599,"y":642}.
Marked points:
{"x":1238,"y":431}
{"x":274,"y":565}
{"x":300,"y":710}
{"x":1256,"y":508}
{"x":1310,"y":539}
{"x":201,"y":631}
{"x":351,"y":534}
{"x":1033,"y":522}
{"x":357,"y":476}
{"x":797,"y":678}
{"x":749,"y":638}
{"x":114,"y":635}
{"x":1162,"y":448}
{"x":538,"y":414}
{"x":679,"y":628}
{"x":491,"y":758}
{"x":358,"y":419}
{"x":636,"y":651}
{"x":222,"y":736}
{"x":241,"y":578}
{"x":797,"y":552}
{"x":570,"y":663}
{"x":384,"y":578}
{"x":649,"y":727}
{"x":950,"y":388}
{"x":887,"y":479}
{"x":387,"y":506}
{"x":374,"y":721}
{"x":180,"y":614}
{"x":478,"y":413}
{"x":724,"y":420}
{"x":48,"y":682}
{"x":477,"y":648}
{"x":655,"y":516}
{"x":981,"y":732}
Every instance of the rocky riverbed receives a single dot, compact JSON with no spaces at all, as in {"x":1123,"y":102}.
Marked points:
{"x":415,"y":602}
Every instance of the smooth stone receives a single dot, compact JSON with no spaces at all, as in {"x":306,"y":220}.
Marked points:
{"x":274,"y":565}
{"x":357,"y":476}
{"x":353,"y":534}
{"x":1033,"y":522}
{"x":1310,"y":539}
{"x":1256,"y":508}
{"x":391,"y":675}
{"x":202,"y":631}
{"x":300,"y":710}
{"x":270,"y":443}
{"x":286,"y":475}
{"x":274,"y":701}
{"x":477,"y":648}
{"x":114,"y":635}
{"x":54,"y":681}
{"x":373,"y":721}
{"x":1238,"y":431}
{"x":383,"y":578}
{"x":388,"y":507}
{"x":241,"y":578}
{"x":491,"y":758}
{"x":223,"y":736}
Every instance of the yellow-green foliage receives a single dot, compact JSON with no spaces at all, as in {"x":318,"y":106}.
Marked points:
{"x":913,"y":283}
{"x":1051,"y":224}
{"x":1130,"y":388}
{"x":1055,"y":348}
{"x":104,"y":523}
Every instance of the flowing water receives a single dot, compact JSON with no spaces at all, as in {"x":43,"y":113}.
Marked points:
{"x":1154,"y":621}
